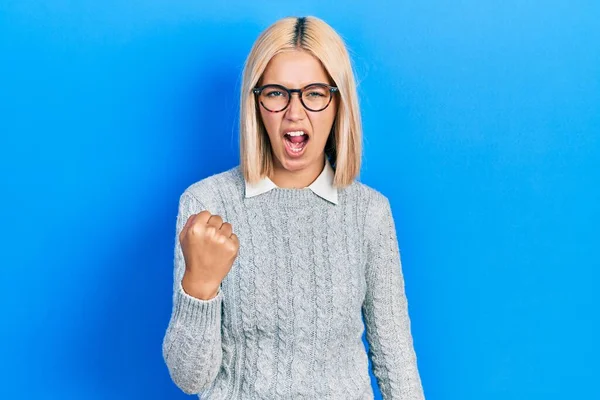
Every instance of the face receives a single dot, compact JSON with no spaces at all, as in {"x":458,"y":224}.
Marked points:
{"x":295,"y":70}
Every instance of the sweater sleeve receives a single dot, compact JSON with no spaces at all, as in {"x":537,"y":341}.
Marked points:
{"x":192,"y":343}
{"x":385,"y":308}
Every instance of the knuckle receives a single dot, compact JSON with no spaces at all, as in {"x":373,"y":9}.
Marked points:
{"x":197,"y":229}
{"x":216,"y":219}
{"x":231,"y":247}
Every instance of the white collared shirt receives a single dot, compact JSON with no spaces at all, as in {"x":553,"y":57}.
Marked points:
{"x":322,"y":186}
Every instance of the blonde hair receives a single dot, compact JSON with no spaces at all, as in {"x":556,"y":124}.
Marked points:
{"x":311,"y":34}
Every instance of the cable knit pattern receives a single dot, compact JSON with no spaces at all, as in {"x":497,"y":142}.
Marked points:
{"x":286,"y":323}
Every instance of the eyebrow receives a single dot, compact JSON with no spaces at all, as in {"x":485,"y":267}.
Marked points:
{"x":293,"y":86}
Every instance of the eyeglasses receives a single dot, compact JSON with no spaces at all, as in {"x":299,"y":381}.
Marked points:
{"x":314,"y":97}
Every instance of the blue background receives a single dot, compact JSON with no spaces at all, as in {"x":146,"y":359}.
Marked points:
{"x":482,"y":125}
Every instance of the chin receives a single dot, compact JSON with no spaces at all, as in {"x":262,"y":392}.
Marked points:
{"x":294,"y":164}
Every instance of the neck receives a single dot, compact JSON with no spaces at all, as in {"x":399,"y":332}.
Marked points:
{"x":284,"y":178}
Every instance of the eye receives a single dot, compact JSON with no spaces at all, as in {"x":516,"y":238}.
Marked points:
{"x":315,"y":93}
{"x":274,"y":92}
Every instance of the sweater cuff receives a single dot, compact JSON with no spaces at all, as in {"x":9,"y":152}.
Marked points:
{"x":193,"y":312}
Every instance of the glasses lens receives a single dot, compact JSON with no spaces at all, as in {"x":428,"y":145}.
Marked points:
{"x":316,"y":97}
{"x":274,"y":98}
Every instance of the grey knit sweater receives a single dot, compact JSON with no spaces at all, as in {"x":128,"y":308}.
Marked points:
{"x":287,"y":323}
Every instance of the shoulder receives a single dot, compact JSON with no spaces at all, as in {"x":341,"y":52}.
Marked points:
{"x":375,"y":206}
{"x":367,"y":195}
{"x":209,"y":190}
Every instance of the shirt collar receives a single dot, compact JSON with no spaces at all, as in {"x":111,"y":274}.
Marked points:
{"x":322,"y":186}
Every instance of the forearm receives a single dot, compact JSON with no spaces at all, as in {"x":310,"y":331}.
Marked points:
{"x":192,"y":343}
{"x":391,"y":348}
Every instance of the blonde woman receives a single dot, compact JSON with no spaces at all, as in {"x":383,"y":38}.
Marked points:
{"x":278,"y":259}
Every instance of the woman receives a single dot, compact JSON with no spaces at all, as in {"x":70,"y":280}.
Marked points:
{"x":277,"y":259}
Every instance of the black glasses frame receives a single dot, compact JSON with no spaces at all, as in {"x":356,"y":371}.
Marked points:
{"x":332,"y":90}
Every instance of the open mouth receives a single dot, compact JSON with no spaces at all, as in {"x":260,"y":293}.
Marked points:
{"x":295,"y":142}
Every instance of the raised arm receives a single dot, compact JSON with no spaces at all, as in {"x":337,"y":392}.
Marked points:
{"x":385,"y":308}
{"x":192,"y":344}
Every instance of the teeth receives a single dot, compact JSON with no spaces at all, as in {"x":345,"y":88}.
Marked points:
{"x":296,"y":133}
{"x":297,"y":149}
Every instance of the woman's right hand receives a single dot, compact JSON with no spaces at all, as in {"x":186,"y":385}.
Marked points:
{"x":209,"y":248}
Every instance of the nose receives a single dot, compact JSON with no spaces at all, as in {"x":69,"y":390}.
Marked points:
{"x":295,"y":110}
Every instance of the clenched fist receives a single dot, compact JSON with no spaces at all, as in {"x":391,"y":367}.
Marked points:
{"x":209,"y":248}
